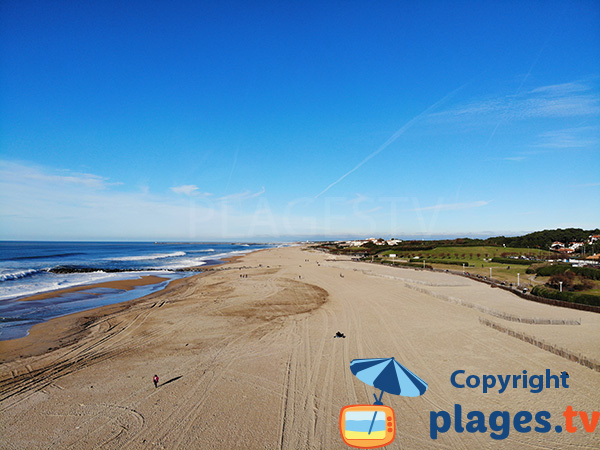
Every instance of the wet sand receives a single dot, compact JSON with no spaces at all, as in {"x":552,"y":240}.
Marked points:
{"x":124,"y":285}
{"x":247,"y":359}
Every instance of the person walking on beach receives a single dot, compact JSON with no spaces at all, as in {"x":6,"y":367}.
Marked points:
{"x":155,"y":379}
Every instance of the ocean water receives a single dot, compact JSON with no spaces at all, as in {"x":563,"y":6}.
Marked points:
{"x":28,"y":268}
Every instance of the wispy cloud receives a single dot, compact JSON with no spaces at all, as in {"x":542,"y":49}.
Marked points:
{"x":562,"y":89}
{"x":43,"y":203}
{"x":241,"y":196}
{"x":56,"y":177}
{"x":578,"y":137}
{"x":552,"y":101}
{"x":453,"y":206}
{"x":189,"y":189}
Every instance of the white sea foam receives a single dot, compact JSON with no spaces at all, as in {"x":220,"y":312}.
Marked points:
{"x":7,"y":274}
{"x":201,"y":260}
{"x":233,"y":253}
{"x":51,"y":282}
{"x":148,"y":257}
{"x":185,"y":263}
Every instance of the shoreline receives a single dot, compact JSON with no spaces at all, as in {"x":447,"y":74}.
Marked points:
{"x":61,"y":331}
{"x":123,"y":285}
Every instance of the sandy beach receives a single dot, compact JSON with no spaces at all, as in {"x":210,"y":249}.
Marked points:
{"x":247,"y":360}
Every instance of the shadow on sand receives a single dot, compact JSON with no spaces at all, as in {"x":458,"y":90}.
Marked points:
{"x":171,"y":380}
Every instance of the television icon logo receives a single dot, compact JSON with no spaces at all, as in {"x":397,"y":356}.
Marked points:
{"x":367,"y":426}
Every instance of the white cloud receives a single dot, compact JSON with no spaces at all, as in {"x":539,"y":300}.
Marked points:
{"x":472,"y":109}
{"x":9,"y":170}
{"x":241,"y":196}
{"x":36,"y":203}
{"x":553,"y":101}
{"x":189,"y":189}
{"x":562,"y":89}
{"x":579,"y":137}
{"x":557,"y":107}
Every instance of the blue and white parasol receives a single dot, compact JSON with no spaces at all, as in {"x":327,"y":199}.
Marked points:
{"x":389,"y":376}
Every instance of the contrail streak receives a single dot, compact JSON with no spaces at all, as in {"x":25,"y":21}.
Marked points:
{"x":392,"y":138}
{"x":533,"y":64}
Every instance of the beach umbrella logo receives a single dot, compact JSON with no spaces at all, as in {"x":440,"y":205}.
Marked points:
{"x":372,"y":426}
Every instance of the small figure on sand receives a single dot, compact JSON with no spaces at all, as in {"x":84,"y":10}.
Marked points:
{"x":339,"y":334}
{"x":155,"y":379}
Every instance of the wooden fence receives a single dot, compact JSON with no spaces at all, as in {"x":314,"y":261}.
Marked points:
{"x":567,"y":354}
{"x":494,"y":313}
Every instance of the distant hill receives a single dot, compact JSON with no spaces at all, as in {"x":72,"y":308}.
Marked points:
{"x":537,"y":240}
{"x":543,"y":239}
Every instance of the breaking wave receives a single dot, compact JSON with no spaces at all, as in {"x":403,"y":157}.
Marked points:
{"x":18,"y":274}
{"x":149,"y":257}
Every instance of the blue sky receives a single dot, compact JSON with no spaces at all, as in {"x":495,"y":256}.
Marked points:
{"x":274,"y":120}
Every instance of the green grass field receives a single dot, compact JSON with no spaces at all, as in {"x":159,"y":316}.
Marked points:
{"x":479,"y":261}
{"x":471,"y":254}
